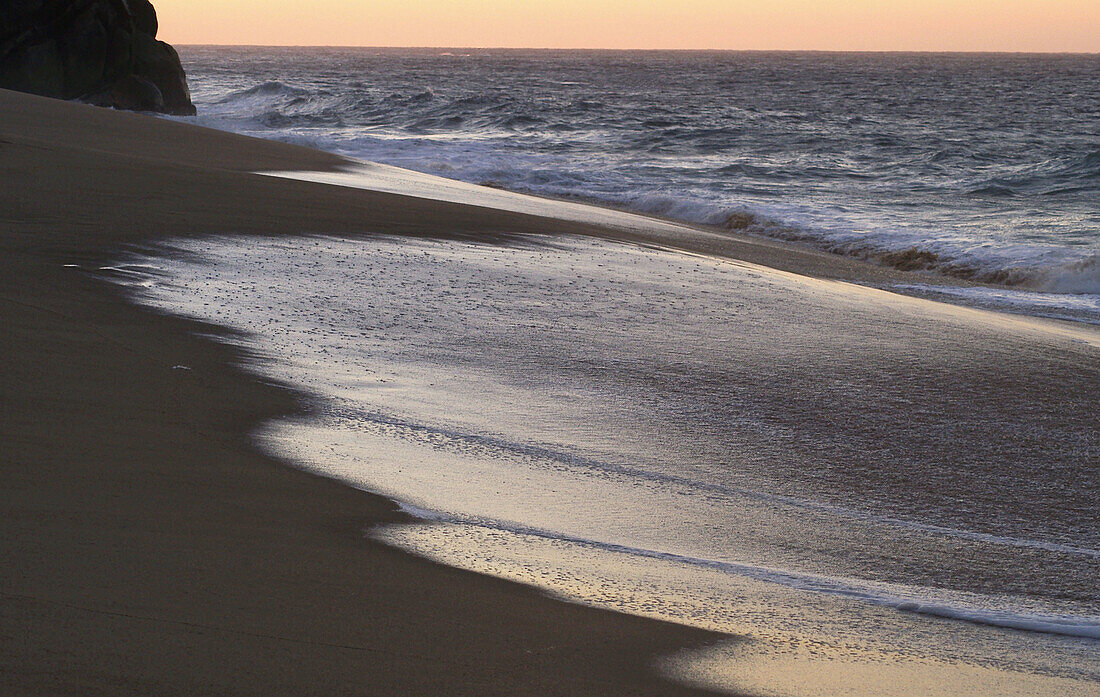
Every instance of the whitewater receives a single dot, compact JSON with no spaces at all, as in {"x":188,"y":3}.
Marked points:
{"x":979,"y":167}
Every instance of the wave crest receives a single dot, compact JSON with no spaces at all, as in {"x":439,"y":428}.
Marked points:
{"x":271,"y":88}
{"x":1079,"y":276}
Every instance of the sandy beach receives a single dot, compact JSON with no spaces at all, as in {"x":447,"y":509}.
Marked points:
{"x":151,"y":548}
{"x":148,"y":547}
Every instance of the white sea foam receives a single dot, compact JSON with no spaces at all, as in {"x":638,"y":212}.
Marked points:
{"x":1081,"y":307}
{"x":765,"y":141}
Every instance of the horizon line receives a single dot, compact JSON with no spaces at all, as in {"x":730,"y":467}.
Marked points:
{"x":654,"y":50}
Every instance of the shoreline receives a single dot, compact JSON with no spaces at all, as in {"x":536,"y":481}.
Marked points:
{"x":661,"y":232}
{"x":918,"y":203}
{"x":342,"y":445}
{"x":159,"y":187}
{"x":150,"y":546}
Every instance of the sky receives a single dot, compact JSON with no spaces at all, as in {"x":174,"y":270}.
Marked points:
{"x":852,"y":25}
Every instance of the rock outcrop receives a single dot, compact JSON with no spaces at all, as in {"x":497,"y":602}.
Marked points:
{"x":101,"y":51}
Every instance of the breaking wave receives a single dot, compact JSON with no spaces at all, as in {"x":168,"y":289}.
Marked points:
{"x":1044,"y":270}
{"x":836,"y":155}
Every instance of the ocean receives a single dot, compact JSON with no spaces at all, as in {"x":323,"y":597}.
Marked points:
{"x":874,"y":489}
{"x":980,"y":167}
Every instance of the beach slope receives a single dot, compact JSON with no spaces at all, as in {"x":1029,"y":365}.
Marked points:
{"x":148,"y":548}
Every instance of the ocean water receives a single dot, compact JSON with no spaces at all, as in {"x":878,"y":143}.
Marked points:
{"x":984,"y":167}
{"x":879,"y":494}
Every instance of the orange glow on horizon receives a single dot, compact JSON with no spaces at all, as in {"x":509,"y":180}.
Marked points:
{"x":852,"y":25}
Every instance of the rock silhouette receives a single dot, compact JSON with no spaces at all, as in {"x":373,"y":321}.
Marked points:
{"x":101,"y":51}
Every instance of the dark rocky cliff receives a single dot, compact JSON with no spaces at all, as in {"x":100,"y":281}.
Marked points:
{"x":101,"y":51}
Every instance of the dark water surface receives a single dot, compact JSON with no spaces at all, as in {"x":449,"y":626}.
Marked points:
{"x":980,"y":166}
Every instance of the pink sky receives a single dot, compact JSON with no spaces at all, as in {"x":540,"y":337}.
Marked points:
{"x":953,"y":25}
